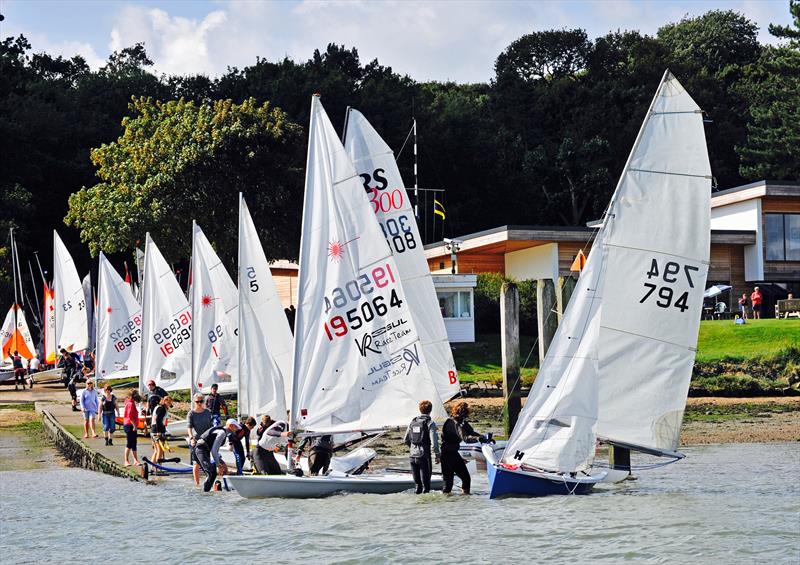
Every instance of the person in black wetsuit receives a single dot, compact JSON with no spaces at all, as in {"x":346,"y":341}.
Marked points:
{"x":421,"y":437}
{"x":69,"y":361}
{"x":455,"y":430}
{"x":207,"y":451}
{"x":235,"y":440}
{"x":320,"y":453}
{"x":272,"y":436}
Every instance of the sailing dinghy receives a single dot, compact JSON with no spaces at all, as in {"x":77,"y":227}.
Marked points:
{"x":619,"y":366}
{"x":358,"y":361}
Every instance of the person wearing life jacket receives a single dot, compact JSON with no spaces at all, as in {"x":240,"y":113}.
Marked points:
{"x":421,"y":437}
{"x":207,"y":451}
{"x":19,"y":370}
{"x":320,"y":454}
{"x":455,"y":430}
{"x":272,"y":437}
{"x":240,"y":452}
{"x":158,"y":427}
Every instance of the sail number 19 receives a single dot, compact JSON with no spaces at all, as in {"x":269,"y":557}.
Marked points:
{"x":664,"y":293}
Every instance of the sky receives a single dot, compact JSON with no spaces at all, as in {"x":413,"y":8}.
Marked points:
{"x":436,"y":40}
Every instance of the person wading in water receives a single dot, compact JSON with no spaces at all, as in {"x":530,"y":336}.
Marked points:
{"x":455,"y":430}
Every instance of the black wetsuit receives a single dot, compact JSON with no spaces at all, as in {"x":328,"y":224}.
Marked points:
{"x":454,"y":431}
{"x":319,"y":459}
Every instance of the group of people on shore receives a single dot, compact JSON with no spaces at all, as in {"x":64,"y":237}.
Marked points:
{"x":754,"y":304}
{"x":207,"y":432}
{"x":24,"y":369}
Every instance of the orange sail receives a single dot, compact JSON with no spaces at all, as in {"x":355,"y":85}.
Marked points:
{"x":15,"y":335}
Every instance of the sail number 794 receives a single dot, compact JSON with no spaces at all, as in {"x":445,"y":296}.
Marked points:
{"x":665,"y":294}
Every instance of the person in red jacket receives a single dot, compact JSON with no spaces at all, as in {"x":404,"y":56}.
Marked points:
{"x":756,"y":300}
{"x":130,"y":422}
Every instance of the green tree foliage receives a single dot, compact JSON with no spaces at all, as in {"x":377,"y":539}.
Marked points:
{"x":180,"y":161}
{"x":772,"y":86}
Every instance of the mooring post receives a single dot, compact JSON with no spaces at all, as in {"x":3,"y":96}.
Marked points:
{"x":564,"y":292}
{"x":509,"y":345}
{"x":546,"y":321}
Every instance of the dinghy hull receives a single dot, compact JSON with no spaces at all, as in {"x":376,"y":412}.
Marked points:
{"x":505,"y":482}
{"x":289,"y":486}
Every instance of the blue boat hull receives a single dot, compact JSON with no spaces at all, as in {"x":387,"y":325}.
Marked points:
{"x":508,"y":483}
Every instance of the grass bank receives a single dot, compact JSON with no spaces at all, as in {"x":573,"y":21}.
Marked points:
{"x":761,"y":358}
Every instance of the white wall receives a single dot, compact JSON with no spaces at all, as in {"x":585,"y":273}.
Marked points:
{"x":744,"y":216}
{"x":460,"y":331}
{"x":539,"y":262}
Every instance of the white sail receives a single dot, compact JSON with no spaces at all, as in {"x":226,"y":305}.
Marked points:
{"x":49,"y":326}
{"x":166,"y":325}
{"x":72,"y":328}
{"x":215,"y":316}
{"x":620,"y":363}
{"x":656,"y":238}
{"x":119,"y":326}
{"x":358,"y":362}
{"x":16,"y":337}
{"x":265,"y":340}
{"x":375,"y":164}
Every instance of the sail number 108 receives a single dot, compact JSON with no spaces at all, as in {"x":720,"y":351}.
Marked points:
{"x":665,"y":295}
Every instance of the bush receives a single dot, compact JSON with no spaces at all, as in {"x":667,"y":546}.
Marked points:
{"x":487,"y":304}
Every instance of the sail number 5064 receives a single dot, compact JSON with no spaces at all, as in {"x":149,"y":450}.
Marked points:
{"x":665,"y":293}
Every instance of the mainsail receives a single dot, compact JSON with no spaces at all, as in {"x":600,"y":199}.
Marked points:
{"x":620,"y":363}
{"x":49,"y":325}
{"x":16,"y":336}
{"x":265,"y":340}
{"x":375,"y":164}
{"x":88,"y":299}
{"x":215,"y":315}
{"x":119,"y":326}
{"x":358,"y":361}
{"x":166,"y":325}
{"x":72,"y":327}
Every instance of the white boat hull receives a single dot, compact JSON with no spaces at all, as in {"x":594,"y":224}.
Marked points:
{"x":289,"y":486}
{"x":51,"y":375}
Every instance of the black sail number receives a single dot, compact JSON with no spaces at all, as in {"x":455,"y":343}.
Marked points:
{"x":666,"y":295}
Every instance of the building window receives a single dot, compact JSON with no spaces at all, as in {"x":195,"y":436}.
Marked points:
{"x":455,"y":304}
{"x":783,"y":237}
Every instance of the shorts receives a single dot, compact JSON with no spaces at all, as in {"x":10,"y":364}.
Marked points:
{"x":109,"y":423}
{"x":130,"y":436}
{"x":89,"y":415}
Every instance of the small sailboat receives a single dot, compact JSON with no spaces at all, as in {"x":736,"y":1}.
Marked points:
{"x":619,"y":366}
{"x":119,"y":326}
{"x":166,"y":325}
{"x":358,"y":360}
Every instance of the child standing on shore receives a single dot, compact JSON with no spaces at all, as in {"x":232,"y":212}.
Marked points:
{"x":109,"y":409}
{"x":89,"y":406}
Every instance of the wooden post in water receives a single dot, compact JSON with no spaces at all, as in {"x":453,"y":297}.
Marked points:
{"x":566,"y":285}
{"x":547,"y":322}
{"x":619,"y":458}
{"x":509,"y":345}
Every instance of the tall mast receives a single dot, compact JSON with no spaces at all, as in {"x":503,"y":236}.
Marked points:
{"x":14,"y":278}
{"x":416,"y":184}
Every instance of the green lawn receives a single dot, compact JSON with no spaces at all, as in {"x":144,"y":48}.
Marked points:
{"x":719,"y":339}
{"x":757,"y":338}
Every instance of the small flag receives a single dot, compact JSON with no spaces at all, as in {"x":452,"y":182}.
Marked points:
{"x":579,"y":263}
{"x":438,"y":208}
{"x":127,"y":274}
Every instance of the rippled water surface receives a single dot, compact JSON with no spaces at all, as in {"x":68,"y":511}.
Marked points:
{"x":723,"y":504}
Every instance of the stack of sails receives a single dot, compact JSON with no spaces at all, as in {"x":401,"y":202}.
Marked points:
{"x":619,"y":365}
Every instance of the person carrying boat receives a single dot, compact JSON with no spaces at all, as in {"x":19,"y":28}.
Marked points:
{"x":216,"y":404}
{"x":33,"y":367}
{"x":235,"y":441}
{"x":420,"y":437}
{"x":198,"y":420}
{"x":320,"y":454}
{"x":272,"y":437}
{"x":207,"y":451}
{"x":455,"y":430}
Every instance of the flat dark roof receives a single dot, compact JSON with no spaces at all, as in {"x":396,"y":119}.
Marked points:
{"x":772,"y":187}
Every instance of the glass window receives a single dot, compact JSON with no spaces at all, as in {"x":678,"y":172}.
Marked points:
{"x":465,"y":304}
{"x":792,"y":234}
{"x":774,"y":234}
{"x":455,"y":304}
{"x":448,"y":304}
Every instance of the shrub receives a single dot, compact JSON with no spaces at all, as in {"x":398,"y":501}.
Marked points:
{"x":487,"y":304}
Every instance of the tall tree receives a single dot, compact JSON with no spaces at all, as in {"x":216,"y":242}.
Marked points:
{"x":180,"y":161}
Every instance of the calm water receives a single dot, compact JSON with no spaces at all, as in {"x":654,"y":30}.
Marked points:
{"x":723,"y":504}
